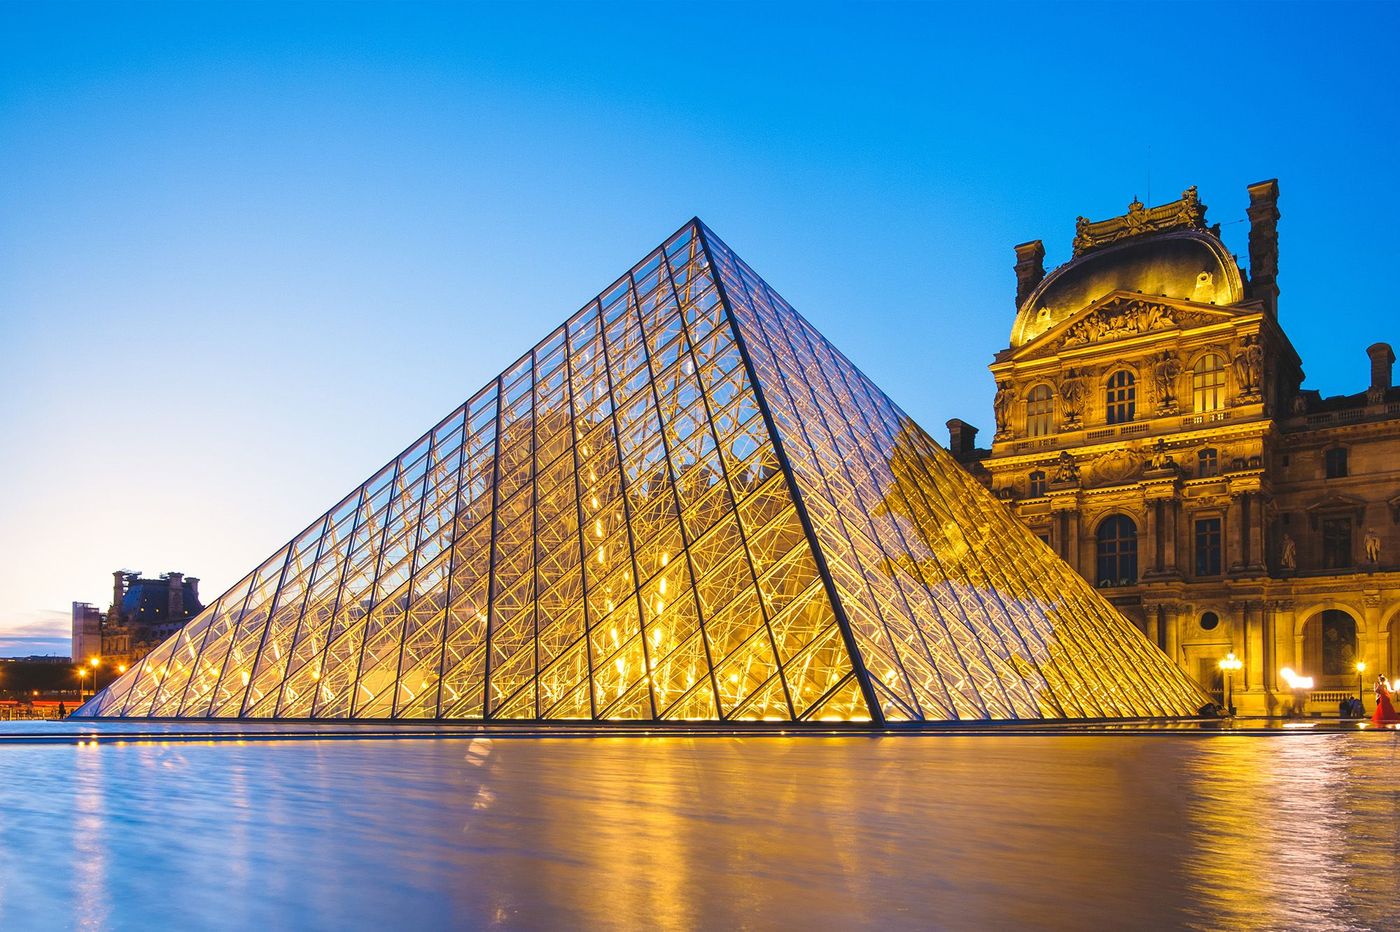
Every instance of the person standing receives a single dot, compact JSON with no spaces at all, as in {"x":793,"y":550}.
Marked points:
{"x":1385,"y":709}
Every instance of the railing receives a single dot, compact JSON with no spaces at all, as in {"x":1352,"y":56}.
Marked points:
{"x":1195,"y":420}
{"x":1132,"y":429}
{"x":1347,"y":416}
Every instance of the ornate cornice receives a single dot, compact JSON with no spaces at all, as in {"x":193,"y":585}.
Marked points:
{"x":1188,"y":213}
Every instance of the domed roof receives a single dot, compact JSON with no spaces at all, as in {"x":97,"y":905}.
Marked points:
{"x":1189,"y":265}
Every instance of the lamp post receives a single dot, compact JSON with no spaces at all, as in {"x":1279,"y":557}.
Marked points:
{"x":82,"y":673}
{"x":1229,"y":665}
{"x":1360,"y":669}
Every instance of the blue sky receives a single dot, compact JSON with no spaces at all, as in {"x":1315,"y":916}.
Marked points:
{"x":248,"y":252}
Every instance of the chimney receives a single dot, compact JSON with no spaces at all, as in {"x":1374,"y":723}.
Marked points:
{"x":1030,"y":269}
{"x":118,"y":590}
{"x":962,"y":438}
{"x":1382,"y":358}
{"x":1263,"y":243}
{"x":175,"y":592}
{"x":191,"y":591}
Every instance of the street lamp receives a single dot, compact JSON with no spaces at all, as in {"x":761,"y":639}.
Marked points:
{"x":1229,"y":665}
{"x":82,"y":673}
{"x":1360,"y":669}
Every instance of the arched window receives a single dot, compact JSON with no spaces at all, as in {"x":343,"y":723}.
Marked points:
{"x":1037,"y":483}
{"x":1208,"y":383}
{"x":1040,"y":420}
{"x":1117,"y":551}
{"x":1207,"y":463}
{"x":1122,"y":397}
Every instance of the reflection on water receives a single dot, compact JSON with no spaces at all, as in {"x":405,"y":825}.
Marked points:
{"x":948,"y":831}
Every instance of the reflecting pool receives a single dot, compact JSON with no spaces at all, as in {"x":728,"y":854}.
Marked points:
{"x":961,"y":831}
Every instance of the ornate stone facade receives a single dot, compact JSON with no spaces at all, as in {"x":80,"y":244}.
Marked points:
{"x":1153,"y":430}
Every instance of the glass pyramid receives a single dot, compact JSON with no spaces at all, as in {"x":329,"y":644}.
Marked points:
{"x":682,"y":505}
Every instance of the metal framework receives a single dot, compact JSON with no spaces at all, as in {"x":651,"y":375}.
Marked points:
{"x":683,"y":505}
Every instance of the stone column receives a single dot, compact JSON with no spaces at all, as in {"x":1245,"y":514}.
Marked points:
{"x":1151,"y":550}
{"x":1072,"y":545}
{"x":1234,"y":535}
{"x":1172,"y":618}
{"x":1374,"y":652}
{"x":1256,"y":533}
{"x":1154,"y":623}
{"x":1287,"y":648}
{"x":1255,"y":660}
{"x":1170,"y":541}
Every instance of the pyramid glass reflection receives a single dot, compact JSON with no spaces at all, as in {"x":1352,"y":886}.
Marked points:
{"x":682,"y":505}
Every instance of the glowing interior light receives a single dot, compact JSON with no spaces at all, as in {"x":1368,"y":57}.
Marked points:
{"x":621,"y":665}
{"x":598,"y":528}
{"x":656,"y":635}
{"x":600,"y":553}
{"x":315,"y":674}
{"x":734,"y":678}
{"x":665,"y":558}
{"x":610,"y":604}
{"x":660,"y":606}
{"x":245,"y":676}
{"x":662,"y":587}
{"x":595,"y":501}
{"x":614,"y":636}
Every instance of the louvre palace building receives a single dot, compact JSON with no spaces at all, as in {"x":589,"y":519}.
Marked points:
{"x":1152,"y":428}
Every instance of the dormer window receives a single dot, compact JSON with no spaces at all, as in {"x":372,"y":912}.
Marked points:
{"x":1121,"y":397}
{"x":1040,"y":405}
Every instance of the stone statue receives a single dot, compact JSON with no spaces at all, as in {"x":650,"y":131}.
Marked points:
{"x":1160,"y":458}
{"x":1248,"y":363}
{"x":1288,"y":556}
{"x":1066,"y":470}
{"x":1072,"y":394}
{"x":1165,"y":371}
{"x":1372,"y":543}
{"x":1001,"y":405}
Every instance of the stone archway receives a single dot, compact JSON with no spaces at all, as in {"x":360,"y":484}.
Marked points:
{"x":1331,"y":647}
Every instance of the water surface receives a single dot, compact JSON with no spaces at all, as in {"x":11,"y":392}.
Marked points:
{"x":961,"y":831}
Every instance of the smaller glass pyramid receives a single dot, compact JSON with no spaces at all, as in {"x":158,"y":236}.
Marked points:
{"x":682,"y":505}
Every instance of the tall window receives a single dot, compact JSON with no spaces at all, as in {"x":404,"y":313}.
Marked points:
{"x":1122,"y":397}
{"x":1208,"y":383}
{"x":1117,"y":551}
{"x":1335,"y":462}
{"x":1207,"y":463}
{"x":1037,"y":483}
{"x":1039,"y":412}
{"x":1336,"y":542}
{"x":1208,"y":547}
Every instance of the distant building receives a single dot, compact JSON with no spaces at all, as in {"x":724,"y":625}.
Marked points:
{"x":1151,"y":428}
{"x":143,"y":613}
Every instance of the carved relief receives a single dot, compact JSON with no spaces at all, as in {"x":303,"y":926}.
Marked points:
{"x":1120,"y":319}
{"x":1187,"y":213}
{"x":1165,"y":372}
{"x":1249,"y":369}
{"x":1001,"y":406}
{"x":1113,"y":467}
{"x":1073,"y":393}
{"x":1065,"y":469}
{"x":1159,"y":458}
